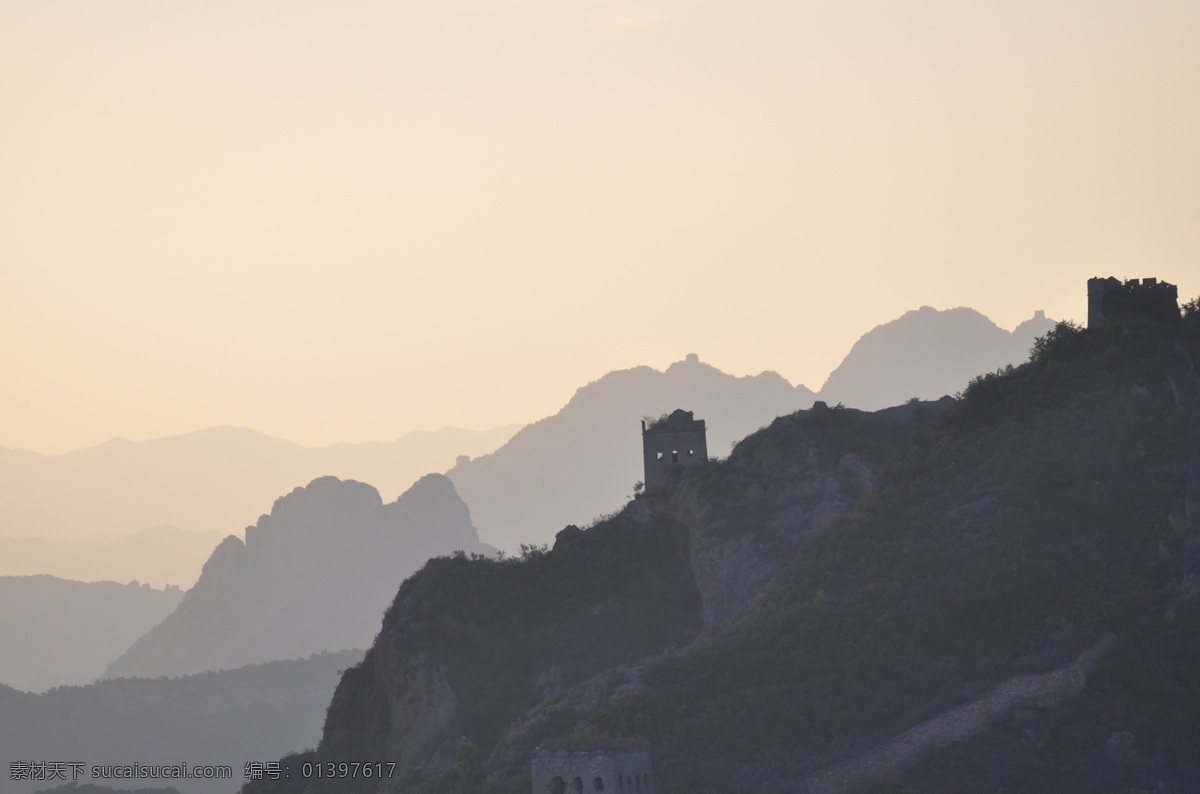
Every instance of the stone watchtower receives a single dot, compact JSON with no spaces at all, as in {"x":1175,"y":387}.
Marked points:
{"x":670,"y":444}
{"x":620,"y":766}
{"x":1147,"y":299}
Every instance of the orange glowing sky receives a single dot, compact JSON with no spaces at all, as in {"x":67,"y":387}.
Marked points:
{"x":344,"y":221}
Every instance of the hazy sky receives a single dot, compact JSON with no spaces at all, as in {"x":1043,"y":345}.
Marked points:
{"x":343,"y":221}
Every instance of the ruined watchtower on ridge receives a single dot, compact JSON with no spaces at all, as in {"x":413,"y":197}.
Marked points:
{"x":671,"y":444}
{"x":619,"y":766}
{"x":1145,"y":299}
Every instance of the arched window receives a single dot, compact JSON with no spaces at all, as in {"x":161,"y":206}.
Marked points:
{"x":558,"y":786}
{"x":598,"y":784}
{"x":577,"y":785}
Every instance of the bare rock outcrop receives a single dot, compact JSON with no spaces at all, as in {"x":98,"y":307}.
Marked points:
{"x":777,"y":487}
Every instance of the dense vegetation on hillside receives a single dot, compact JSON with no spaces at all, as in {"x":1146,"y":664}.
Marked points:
{"x":1045,"y":510}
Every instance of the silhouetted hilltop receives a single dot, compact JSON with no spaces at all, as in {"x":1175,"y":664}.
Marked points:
{"x":207,"y":480}
{"x":161,"y":556}
{"x":62,"y":632}
{"x":927,"y":353}
{"x":584,"y":460}
{"x":227,"y":718}
{"x":1000,"y":594}
{"x":314,"y":575}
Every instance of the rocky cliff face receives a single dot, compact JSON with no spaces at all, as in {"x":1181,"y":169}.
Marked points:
{"x":313,"y":575}
{"x":748,"y":516}
{"x":469,"y":645}
{"x":859,"y":575}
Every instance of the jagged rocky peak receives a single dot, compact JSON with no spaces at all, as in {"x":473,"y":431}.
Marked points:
{"x":312,"y":575}
{"x":223,"y":566}
{"x":433,"y":497}
{"x":324,"y":502}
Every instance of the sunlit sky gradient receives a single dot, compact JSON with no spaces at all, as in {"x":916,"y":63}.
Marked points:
{"x":343,"y":221}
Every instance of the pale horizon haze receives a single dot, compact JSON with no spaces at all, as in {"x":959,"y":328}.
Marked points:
{"x":340,"y":222}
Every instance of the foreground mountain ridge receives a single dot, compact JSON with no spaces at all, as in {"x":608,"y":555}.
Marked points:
{"x":843,"y":578}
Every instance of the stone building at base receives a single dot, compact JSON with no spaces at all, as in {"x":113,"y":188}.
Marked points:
{"x":618,"y":767}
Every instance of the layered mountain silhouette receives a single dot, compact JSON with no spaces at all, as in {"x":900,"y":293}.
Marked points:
{"x":998,"y":592}
{"x":253,"y":713}
{"x":312,"y":576}
{"x":583,"y":461}
{"x":202,"y":481}
{"x":580,"y":462}
{"x":59,"y":632}
{"x":927,"y":354}
{"x":159,"y":556}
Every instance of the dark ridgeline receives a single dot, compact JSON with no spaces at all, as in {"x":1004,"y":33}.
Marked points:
{"x":314,"y":575}
{"x":1013,"y":573}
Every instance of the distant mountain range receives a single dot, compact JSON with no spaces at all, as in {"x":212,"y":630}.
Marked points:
{"x":565,"y":469}
{"x":60,"y":632}
{"x":571,"y":467}
{"x":159,"y":556}
{"x":927,"y":354}
{"x":314,"y":575}
{"x":584,"y":460}
{"x":253,"y":713}
{"x":210,"y":480}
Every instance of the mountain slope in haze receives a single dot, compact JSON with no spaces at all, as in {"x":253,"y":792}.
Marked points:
{"x":910,"y":565}
{"x":927,"y":353}
{"x":159,"y":556}
{"x":203,"y":481}
{"x":583,"y":461}
{"x":252,"y":713}
{"x":314,"y":575}
{"x":60,"y":632}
